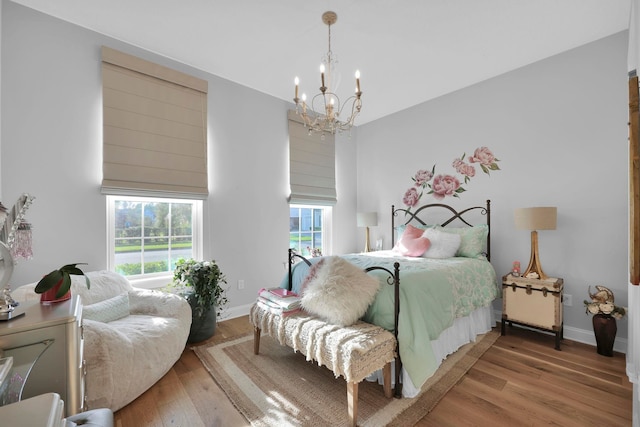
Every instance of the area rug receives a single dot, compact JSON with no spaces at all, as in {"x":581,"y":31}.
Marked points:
{"x":280,"y":388}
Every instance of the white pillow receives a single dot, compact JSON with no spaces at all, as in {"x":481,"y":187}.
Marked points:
{"x":338,"y":291}
{"x":443,"y":245}
{"x":108,"y":310}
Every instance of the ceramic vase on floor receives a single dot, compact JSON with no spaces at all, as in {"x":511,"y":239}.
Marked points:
{"x":203,"y":325}
{"x":605,"y":328}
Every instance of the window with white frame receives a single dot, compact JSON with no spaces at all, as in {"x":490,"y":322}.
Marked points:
{"x":147,"y":235}
{"x":309,"y":229}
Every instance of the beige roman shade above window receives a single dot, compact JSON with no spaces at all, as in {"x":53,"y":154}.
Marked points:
{"x":312,"y":165}
{"x":155,"y":129}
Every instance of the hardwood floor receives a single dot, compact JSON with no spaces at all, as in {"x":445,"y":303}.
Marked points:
{"x":523,"y":381}
{"x":520,"y":381}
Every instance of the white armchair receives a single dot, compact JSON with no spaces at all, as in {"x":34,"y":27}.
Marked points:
{"x":127,"y":355}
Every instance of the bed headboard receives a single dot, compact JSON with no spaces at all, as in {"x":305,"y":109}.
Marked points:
{"x":421,"y":214}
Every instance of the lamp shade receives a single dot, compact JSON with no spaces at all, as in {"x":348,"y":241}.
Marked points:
{"x":538,"y":218}
{"x":367,"y":219}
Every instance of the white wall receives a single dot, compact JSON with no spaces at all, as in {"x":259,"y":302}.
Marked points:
{"x":559,"y":128}
{"x":52,"y":148}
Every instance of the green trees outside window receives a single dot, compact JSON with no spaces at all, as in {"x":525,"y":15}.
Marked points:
{"x":150,"y":236}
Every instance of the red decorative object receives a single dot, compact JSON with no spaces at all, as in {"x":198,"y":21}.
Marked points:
{"x":516,"y":268}
{"x":49,"y":297}
{"x":605,"y":329}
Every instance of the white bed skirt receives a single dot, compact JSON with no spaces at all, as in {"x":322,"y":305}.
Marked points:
{"x":464,"y":330}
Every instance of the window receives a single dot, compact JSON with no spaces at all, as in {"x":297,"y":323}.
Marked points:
{"x":148,"y":235}
{"x":154,"y":166}
{"x":308,"y":228}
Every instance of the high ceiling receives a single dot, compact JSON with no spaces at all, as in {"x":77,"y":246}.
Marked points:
{"x":408,"y":51}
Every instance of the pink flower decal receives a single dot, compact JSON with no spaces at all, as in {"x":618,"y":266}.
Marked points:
{"x":422,"y":177}
{"x":445,"y":185}
{"x":485,"y":157}
{"x":469,"y":171}
{"x":482,"y":155}
{"x":411,"y":197}
{"x":464,"y":169}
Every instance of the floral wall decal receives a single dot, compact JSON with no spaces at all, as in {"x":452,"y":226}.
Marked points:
{"x":443,"y":185}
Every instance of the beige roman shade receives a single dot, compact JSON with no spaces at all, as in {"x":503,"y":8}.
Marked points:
{"x":312,"y":165}
{"x":155,"y":129}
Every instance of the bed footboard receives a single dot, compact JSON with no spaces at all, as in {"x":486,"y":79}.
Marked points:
{"x":393,"y":279}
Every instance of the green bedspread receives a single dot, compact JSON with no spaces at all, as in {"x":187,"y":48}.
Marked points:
{"x":433,"y":293}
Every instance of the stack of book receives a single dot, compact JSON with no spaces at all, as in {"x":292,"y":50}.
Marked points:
{"x":278,"y":301}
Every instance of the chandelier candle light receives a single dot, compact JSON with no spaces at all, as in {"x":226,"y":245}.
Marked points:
{"x":326,"y":109}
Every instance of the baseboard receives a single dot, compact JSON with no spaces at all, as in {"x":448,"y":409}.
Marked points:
{"x":579,"y":335}
{"x":587,"y":337}
{"x":233,"y":312}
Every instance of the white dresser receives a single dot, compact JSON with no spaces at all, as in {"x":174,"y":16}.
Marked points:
{"x":47,"y":339}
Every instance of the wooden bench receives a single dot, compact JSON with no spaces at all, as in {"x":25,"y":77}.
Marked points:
{"x":353,"y":352}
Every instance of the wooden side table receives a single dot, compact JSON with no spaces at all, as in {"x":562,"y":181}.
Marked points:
{"x":533,"y":302}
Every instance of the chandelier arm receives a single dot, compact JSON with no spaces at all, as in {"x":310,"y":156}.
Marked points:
{"x":323,"y":100}
{"x":355,"y":110}
{"x":356,"y":105}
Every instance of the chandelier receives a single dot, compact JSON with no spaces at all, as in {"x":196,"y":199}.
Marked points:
{"x":325,"y":113}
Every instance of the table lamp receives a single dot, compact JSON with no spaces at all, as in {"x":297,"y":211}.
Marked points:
{"x":538,"y":218}
{"x":367,"y":219}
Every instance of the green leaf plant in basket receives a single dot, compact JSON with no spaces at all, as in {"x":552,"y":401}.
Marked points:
{"x":55,"y":286}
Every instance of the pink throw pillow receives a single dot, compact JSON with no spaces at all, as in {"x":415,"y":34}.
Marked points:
{"x":412,"y":243}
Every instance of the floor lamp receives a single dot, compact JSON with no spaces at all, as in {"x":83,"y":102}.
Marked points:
{"x":538,"y":218}
{"x":367,"y":219}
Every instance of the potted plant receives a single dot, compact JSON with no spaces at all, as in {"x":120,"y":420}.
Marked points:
{"x":56,"y":286}
{"x":200,"y":282}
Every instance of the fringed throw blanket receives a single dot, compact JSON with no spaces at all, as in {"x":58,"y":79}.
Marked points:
{"x":353,"y":352}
